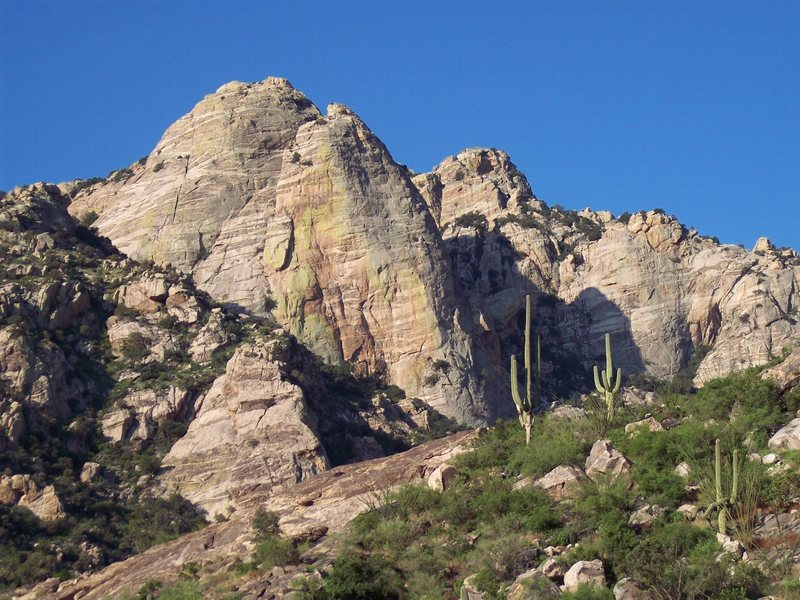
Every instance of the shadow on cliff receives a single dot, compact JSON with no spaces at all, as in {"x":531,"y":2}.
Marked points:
{"x":488,"y":280}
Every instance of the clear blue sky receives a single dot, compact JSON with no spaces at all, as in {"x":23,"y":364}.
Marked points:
{"x":626,"y":105}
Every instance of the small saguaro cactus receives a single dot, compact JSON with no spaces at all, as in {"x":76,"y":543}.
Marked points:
{"x":606,"y":384}
{"x":723,"y":504}
{"x":526,"y":406}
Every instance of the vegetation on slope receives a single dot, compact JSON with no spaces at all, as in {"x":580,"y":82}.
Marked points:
{"x":422,"y":544}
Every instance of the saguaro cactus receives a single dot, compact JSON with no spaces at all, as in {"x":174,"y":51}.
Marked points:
{"x":723,"y":504}
{"x":606,"y":384}
{"x":527,"y":406}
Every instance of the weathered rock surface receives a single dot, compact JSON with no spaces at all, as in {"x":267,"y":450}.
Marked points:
{"x":533,"y":585}
{"x":561,"y":482}
{"x":589,"y":572}
{"x":646,"y":424}
{"x":330,"y":499}
{"x":34,"y":375}
{"x":442,"y":478}
{"x":142,"y":411}
{"x":259,"y":195}
{"x":470,"y":589}
{"x":552,"y":569}
{"x":786,"y":374}
{"x":21,"y":490}
{"x":156,"y":341}
{"x":628,"y":589}
{"x":605,"y":460}
{"x":646,"y":515}
{"x":211,"y":337}
{"x":253,"y":428}
{"x":787,"y":437}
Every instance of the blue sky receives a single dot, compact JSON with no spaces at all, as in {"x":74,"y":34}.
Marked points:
{"x":690,"y":107}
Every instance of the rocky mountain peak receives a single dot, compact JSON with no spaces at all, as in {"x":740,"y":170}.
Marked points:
{"x":276,"y":209}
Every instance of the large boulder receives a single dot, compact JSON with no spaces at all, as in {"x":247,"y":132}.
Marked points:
{"x":211,"y":337}
{"x":588,"y":572}
{"x":787,"y":437}
{"x":561,"y":482}
{"x":628,"y":589}
{"x":21,"y":490}
{"x":605,"y":461}
{"x":785,"y":374}
{"x":533,"y":585}
{"x":140,"y":412}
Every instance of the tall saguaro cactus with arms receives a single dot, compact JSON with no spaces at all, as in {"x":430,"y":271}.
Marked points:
{"x":527,"y":405}
{"x":606,"y":384}
{"x":723,"y":503}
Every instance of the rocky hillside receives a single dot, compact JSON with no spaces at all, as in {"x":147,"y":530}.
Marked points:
{"x":277,"y":209}
{"x":133,"y":407}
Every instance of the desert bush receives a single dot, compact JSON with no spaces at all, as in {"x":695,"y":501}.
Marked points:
{"x":359,"y":578}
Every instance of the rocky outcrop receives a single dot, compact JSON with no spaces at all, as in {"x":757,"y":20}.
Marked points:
{"x":533,"y":585}
{"x":274,"y":207}
{"x":35,"y":375}
{"x":785,"y":374}
{"x":140,"y":412}
{"x":585,"y":572}
{"x":211,"y":337}
{"x":606,"y":461}
{"x":21,"y":490}
{"x":253,"y":429}
{"x":476,"y":180}
{"x":787,"y":437}
{"x":313,"y":212}
{"x":153,"y":341}
{"x":562,"y":482}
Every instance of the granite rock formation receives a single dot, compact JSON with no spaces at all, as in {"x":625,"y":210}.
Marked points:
{"x":276,"y":208}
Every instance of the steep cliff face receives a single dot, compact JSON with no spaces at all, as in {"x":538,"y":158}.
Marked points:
{"x":275,"y":208}
{"x":260,"y":196}
{"x":661,"y":290}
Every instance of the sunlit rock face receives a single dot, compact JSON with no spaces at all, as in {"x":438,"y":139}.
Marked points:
{"x":262,"y":197}
{"x":278,"y":209}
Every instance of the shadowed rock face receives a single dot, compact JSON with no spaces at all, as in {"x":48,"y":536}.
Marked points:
{"x":260,"y":196}
{"x":659,"y":289}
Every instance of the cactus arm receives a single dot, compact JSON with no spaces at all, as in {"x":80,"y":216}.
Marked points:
{"x":619,"y":381}
{"x":718,"y":471}
{"x":711,"y":508}
{"x":735,"y":484}
{"x":597,"y":383}
{"x":514,"y":385}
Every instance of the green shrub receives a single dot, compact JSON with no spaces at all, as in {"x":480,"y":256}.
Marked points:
{"x":88,"y":218}
{"x":274,"y":551}
{"x":359,"y":578}
{"x":588,"y":592}
{"x":265,"y":524}
{"x":135,"y":347}
{"x":184,"y":590}
{"x":472,"y":219}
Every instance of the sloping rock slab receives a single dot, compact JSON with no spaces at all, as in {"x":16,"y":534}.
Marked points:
{"x":330,"y":499}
